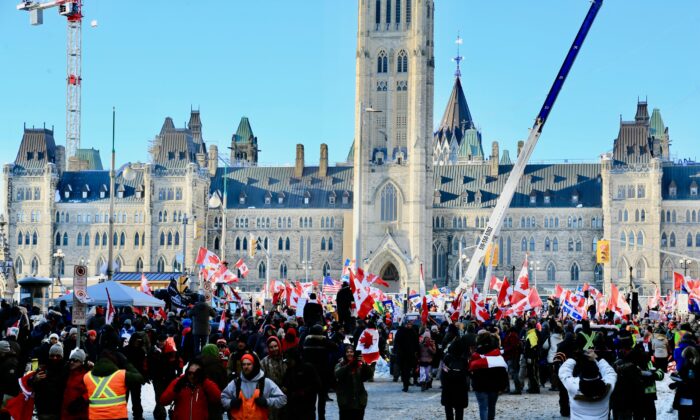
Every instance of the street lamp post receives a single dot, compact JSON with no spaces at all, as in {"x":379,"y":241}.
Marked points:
{"x":110,"y":243}
{"x":225,"y":204}
{"x":685,"y":262}
{"x":534,"y":267}
{"x":184,"y":244}
{"x":58,"y":258}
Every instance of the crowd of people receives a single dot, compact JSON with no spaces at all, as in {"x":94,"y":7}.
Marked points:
{"x":260,"y":364}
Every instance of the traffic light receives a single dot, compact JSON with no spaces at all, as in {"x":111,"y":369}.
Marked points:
{"x":253,"y":247}
{"x":603,"y":252}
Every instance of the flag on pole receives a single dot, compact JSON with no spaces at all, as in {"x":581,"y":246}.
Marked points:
{"x":240,"y":265}
{"x":373,"y":278}
{"x":368,"y":345}
{"x":456,"y":307}
{"x":505,"y":293}
{"x":522,"y":284}
{"x":109,"y":317}
{"x":145,"y":287}
{"x":655,"y":300}
{"x":330,"y":286}
{"x":421,"y":286}
{"x":222,"y":322}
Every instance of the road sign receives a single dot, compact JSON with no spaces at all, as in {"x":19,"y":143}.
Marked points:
{"x":79,"y":313}
{"x":80,"y":284}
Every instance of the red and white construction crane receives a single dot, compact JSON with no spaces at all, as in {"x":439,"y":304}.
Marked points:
{"x":72,"y":10}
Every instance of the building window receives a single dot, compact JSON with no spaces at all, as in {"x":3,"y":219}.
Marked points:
{"x":574,"y":272}
{"x":551,"y":272}
{"x":402,"y":62}
{"x":65,"y":239}
{"x":672,"y":240}
{"x":578,"y":245}
{"x":555,"y":245}
{"x":547,"y":244}
{"x":664,"y":240}
{"x":330,"y":244}
{"x":323,"y":244}
{"x":35,"y":266}
{"x":598,"y":273}
{"x":523,"y":245}
{"x":326,"y":269}
{"x":532,"y":244}
{"x":178,"y":193}
{"x":388,"y":203}
{"x":262,"y":270}
{"x":161,"y":265}
{"x":382,"y":62}
{"x":139,"y":265}
{"x":286,"y":244}
{"x":79,"y":239}
{"x":283,"y":270}
{"x":639,"y":269}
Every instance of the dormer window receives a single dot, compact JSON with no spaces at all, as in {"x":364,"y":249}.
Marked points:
{"x":672,"y":190}
{"x":182,"y":155}
{"x":346,"y":197}
{"x":30,"y":155}
{"x":307,"y":198}
{"x":67,"y":191}
{"x":103,"y":191}
{"x":39,"y":155}
{"x":464,"y":197}
{"x":547,"y":198}
{"x":694,"y":189}
{"x":241,"y":198}
{"x":171,"y":155}
{"x":120,"y":191}
{"x":331,"y":198}
{"x":477,"y":197}
{"x":575,"y":197}
{"x":268,"y":198}
{"x":280,"y":198}
{"x":85,"y":194}
{"x":533,"y":198}
{"x":139,"y":191}
{"x":436,"y":197}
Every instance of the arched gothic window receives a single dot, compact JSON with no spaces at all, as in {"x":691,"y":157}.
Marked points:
{"x":382,"y":62}
{"x":170,"y":239}
{"x":672,"y":240}
{"x":35,"y":266}
{"x":323,"y":244}
{"x":283,"y":270}
{"x":262,"y":270}
{"x":65,"y":239}
{"x":574,"y":272}
{"x":330,"y":244}
{"x":79,"y":240}
{"x":326,"y":269}
{"x":388,"y":203}
{"x":286,"y":244}
{"x":439,"y":262}
{"x":640,"y":269}
{"x":139,"y":265}
{"x":598,"y":273}
{"x":551,"y":272}
{"x":402,"y":62}
{"x":177,"y":238}
{"x":161,"y":265}
{"x":162,"y":239}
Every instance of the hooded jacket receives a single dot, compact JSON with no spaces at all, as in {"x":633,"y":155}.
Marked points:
{"x":582,"y":409}
{"x":191,"y":402}
{"x":272,"y":393}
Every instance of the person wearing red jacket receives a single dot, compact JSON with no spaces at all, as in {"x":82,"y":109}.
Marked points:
{"x":192,"y":394}
{"x":75,"y":407}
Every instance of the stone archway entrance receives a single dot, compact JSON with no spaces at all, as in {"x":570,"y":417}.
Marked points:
{"x":389,"y":273}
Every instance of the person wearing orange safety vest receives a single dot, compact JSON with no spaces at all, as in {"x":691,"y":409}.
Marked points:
{"x":250,"y":396}
{"x":107,"y":385}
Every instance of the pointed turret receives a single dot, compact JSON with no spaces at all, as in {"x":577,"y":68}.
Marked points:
{"x":458,"y":126}
{"x":505,"y":158}
{"x":642,"y":112}
{"x":244,"y":144}
{"x":168,"y":125}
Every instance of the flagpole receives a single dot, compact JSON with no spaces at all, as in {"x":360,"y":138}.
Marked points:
{"x":110,"y":248}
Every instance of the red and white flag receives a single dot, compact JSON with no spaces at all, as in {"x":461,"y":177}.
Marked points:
{"x":240,"y":265}
{"x":522,"y":285}
{"x":530,"y":301}
{"x":655,"y":300}
{"x":478,"y":306}
{"x":368,"y":345}
{"x":456,"y":307}
{"x":363,"y":300}
{"x":375,"y":279}
{"x":224,"y":275}
{"x":206,"y":257}
{"x":111,"y":311}
{"x":558,"y":290}
{"x":421,"y":286}
{"x":617,"y":302}
{"x":222,"y":321}
{"x":496,"y":283}
{"x":145,"y":287}
{"x":505,"y":293}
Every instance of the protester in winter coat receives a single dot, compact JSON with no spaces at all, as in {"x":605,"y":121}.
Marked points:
{"x":350,"y":374}
{"x":455,"y":388}
{"x":192,"y":393}
{"x":343,"y":300}
{"x":10,"y":371}
{"x":290,"y":341}
{"x":164,"y":365}
{"x":75,"y":407}
{"x":589,"y":391}
{"x":489,"y":374}
{"x":687,"y":340}
{"x":48,"y":380}
{"x":301,"y":384}
{"x":201,"y":328}
{"x":426,"y":351}
{"x":550,"y":346}
{"x":136,"y":352}
{"x":214,"y":371}
{"x":659,"y":344}
{"x":629,"y":391}
{"x":686,"y":383}
{"x":92,"y":348}
{"x":275,"y":366}
{"x":109,"y":363}
{"x":252,"y":395}
{"x":406,"y":345}
{"x":317,"y":350}
{"x":313,"y":311}
{"x":531,"y":353}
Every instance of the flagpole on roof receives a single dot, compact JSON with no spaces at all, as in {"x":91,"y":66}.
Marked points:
{"x":110,"y":239}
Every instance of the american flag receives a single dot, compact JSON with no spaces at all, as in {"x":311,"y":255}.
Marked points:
{"x":330,"y":286}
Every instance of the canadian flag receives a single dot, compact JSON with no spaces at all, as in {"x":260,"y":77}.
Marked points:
{"x":363,"y":300}
{"x":530,"y":301}
{"x":145,"y":287}
{"x":522,"y":285}
{"x":456,"y":307}
{"x":478,"y":306}
{"x":240,"y":265}
{"x":294,"y":292}
{"x":368,"y":345}
{"x":373,"y":278}
{"x":222,"y":322}
{"x":206,"y":257}
{"x":496,"y":283}
{"x":558,"y":290}
{"x":505,"y":293}
{"x":655,"y":300}
{"x":617,"y":302}
{"x":224,"y":275}
{"x":111,"y":311}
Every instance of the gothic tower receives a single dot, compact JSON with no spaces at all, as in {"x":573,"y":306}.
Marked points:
{"x":393,"y":134}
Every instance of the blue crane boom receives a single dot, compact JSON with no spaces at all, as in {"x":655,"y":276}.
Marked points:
{"x":493,"y":226}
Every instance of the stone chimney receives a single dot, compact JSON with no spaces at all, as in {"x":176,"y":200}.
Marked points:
{"x":299,"y":163}
{"x":323,"y":164}
{"x":60,"y":159}
{"x":213,"y":159}
{"x":493,"y":170}
{"x":520,"y":146}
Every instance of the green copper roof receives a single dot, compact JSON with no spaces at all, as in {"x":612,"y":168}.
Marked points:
{"x":656,"y":125}
{"x":505,"y":158}
{"x":471,"y":144}
{"x":92,"y":157}
{"x":244,"y":132}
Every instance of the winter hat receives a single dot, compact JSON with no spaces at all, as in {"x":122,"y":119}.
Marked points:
{"x":5,"y":347}
{"x":248,"y":356}
{"x":78,"y":354}
{"x":186,"y":323}
{"x":127,"y":322}
{"x":54,"y":335}
{"x":276,"y":340}
{"x":169,"y":346}
{"x":56,"y":350}
{"x":73,"y":331}
{"x":591,"y":383}
{"x":210,"y":350}
{"x":92,"y":333}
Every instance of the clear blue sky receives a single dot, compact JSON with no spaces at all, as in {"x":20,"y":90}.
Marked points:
{"x":290,"y":67}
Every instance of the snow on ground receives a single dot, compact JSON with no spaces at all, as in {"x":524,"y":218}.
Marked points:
{"x":386,"y":401}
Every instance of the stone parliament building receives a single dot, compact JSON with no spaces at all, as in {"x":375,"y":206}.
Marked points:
{"x":410,"y":191}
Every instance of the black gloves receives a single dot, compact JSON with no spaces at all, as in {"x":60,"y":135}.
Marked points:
{"x":236,"y":403}
{"x":261,"y":402}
